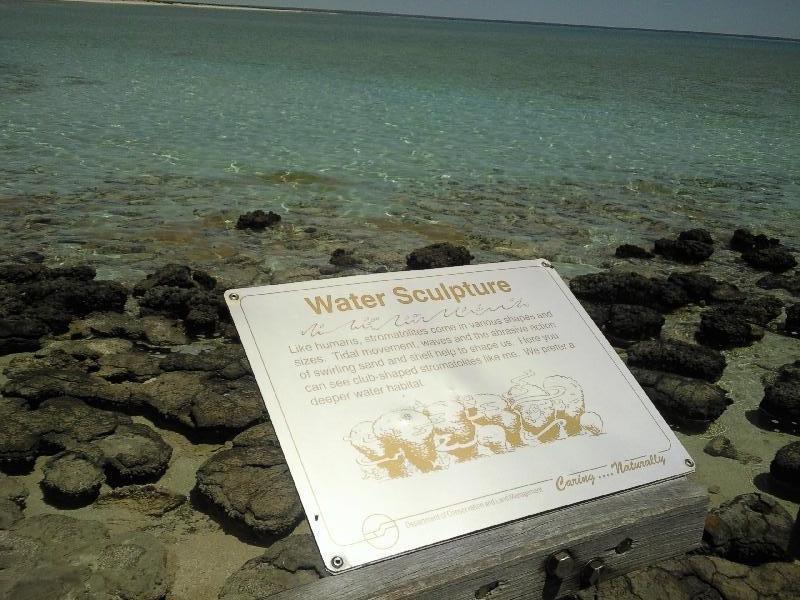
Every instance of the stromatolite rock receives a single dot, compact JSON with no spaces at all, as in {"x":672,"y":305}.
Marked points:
{"x":57,"y":424}
{"x":785,"y":467}
{"x":738,"y":324}
{"x":629,"y":288}
{"x":626,"y":323}
{"x":722,"y":446}
{"x":56,"y":556}
{"x":750,"y":529}
{"x":288,"y":563}
{"x":690,"y":252}
{"x":632,"y":251}
{"x":775,"y":259}
{"x":151,"y":500}
{"x":696,"y":577}
{"x":227,"y":361}
{"x":434,"y":256}
{"x":204,"y":403}
{"x":744,"y":240}
{"x":792,"y":324}
{"x":13,"y":495}
{"x":697,"y":235}
{"x":677,"y":357}
{"x":258,"y":220}
{"x":787,"y":281}
{"x":183,"y":293}
{"x":127,"y":366}
{"x":250,"y":485}
{"x":134,"y":453}
{"x":36,"y":300}
{"x":345,"y":258}
{"x":152,"y":330}
{"x":682,"y":400}
{"x":703,"y":288}
{"x":781,"y":402}
{"x":72,"y":478}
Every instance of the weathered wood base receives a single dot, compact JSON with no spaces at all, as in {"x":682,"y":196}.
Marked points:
{"x":626,"y":531}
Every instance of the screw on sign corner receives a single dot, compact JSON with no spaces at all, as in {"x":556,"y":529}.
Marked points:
{"x":337,"y":562}
{"x":233,"y":297}
{"x":689,"y":462}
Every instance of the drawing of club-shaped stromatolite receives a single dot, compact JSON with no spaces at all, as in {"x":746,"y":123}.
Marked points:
{"x":453,"y":431}
{"x":410,"y":432}
{"x":377,"y":462}
{"x":491,"y":439}
{"x":494,"y":410}
{"x":568,"y":401}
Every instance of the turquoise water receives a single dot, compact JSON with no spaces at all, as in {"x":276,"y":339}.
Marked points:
{"x":124,"y":117}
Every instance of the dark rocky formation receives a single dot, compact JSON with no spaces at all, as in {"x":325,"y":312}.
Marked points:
{"x":776,"y":259}
{"x":629,"y":288}
{"x":134,"y":453}
{"x":785,"y":467}
{"x":781,"y":402}
{"x":723,"y":447}
{"x":631,"y":251}
{"x":792,"y":324}
{"x":703,"y":288}
{"x":58,"y":424}
{"x":684,"y":401}
{"x":689,"y":252}
{"x":678,"y":357}
{"x":150,"y":330}
{"x":127,"y":366}
{"x":55,"y":556}
{"x":72,"y":478}
{"x":443,"y":254}
{"x":344,"y":258}
{"x":227,"y":361}
{"x":37,"y":300}
{"x":696,"y":577}
{"x":696,"y":235}
{"x":258,"y":220}
{"x":744,"y":240}
{"x":202,"y":403}
{"x":720,"y":329}
{"x":750,"y":529}
{"x":180,"y":292}
{"x":250,"y":485}
{"x":13,"y":495}
{"x":288,"y":563}
{"x":625,"y":323}
{"x":787,"y":281}
{"x":151,"y":500}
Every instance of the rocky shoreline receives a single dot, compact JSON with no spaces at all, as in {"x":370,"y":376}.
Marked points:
{"x":138,"y":461}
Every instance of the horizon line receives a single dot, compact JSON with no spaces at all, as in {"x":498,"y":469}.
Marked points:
{"x":471,"y":19}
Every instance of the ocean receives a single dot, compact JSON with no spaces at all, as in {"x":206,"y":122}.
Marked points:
{"x":132,"y":134}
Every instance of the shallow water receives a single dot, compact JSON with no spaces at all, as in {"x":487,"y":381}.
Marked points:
{"x":131,"y":129}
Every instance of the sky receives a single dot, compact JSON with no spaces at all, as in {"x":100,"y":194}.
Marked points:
{"x":775,"y":18}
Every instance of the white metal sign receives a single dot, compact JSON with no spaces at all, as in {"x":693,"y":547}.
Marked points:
{"x":419,"y":406}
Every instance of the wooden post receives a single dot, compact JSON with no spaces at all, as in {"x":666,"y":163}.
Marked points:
{"x":625,"y":531}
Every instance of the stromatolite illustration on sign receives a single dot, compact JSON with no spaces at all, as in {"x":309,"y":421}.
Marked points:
{"x":435,"y":435}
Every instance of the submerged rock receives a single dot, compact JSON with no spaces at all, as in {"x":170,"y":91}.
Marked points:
{"x":678,"y":357}
{"x":443,"y":254}
{"x":682,"y":400}
{"x":785,"y":467}
{"x":631,"y":251}
{"x":775,"y":259}
{"x":629,"y":288}
{"x":250,"y":485}
{"x":696,"y":235}
{"x":744,"y":240}
{"x":685,"y":251}
{"x":781,"y":402}
{"x":258,"y":220}
{"x":288,"y":563}
{"x":344,"y":258}
{"x":750,"y":529}
{"x":626,"y":323}
{"x":727,"y":328}
{"x":56,"y":556}
{"x":723,"y":447}
{"x":788,"y":281}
